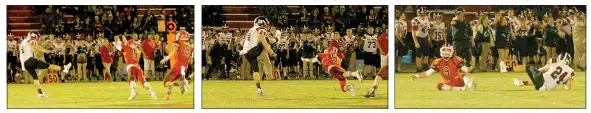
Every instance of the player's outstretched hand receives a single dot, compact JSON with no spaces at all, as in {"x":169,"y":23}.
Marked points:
{"x":413,"y":77}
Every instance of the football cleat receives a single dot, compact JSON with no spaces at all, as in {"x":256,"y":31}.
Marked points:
{"x":359,"y":76}
{"x":261,"y":92}
{"x":42,"y":96}
{"x":67,"y":67}
{"x":351,"y":89}
{"x":517,"y":82}
{"x":132,"y":96}
{"x":184,"y":86}
{"x":369,"y":94}
{"x":472,"y":84}
{"x":167,"y":97}
{"x":153,"y":95}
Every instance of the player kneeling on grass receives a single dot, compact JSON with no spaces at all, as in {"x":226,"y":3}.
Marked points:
{"x":555,"y":72}
{"x":383,"y":72}
{"x":449,"y":66}
{"x":182,"y":52}
{"x":28,"y":47}
{"x":331,"y":62}
{"x":131,"y":54}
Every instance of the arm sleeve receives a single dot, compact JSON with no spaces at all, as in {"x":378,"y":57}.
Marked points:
{"x":429,"y":72}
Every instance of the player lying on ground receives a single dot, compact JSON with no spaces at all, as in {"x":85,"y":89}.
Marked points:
{"x":30,"y":64}
{"x":555,"y":72}
{"x":382,"y":44}
{"x":331,"y":62}
{"x":181,"y":51}
{"x":449,"y":67}
{"x":253,"y":45}
{"x":131,"y":54}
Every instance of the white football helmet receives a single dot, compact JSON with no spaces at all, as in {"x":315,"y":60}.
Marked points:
{"x":446,"y":51}
{"x":563,"y":58}
{"x":261,"y":21}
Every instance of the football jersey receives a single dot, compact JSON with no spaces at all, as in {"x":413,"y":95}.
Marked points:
{"x":370,"y":43}
{"x":12,"y":45}
{"x":421,"y":26}
{"x":59,"y":48}
{"x":557,"y":74}
{"x":26,"y":51}
{"x":383,"y":40}
{"x":350,"y":41}
{"x":438,"y":30}
{"x":252,"y":39}
{"x":448,"y":69}
{"x":225,"y":37}
{"x":183,"y":54}
{"x":402,"y":27}
{"x":132,"y":55}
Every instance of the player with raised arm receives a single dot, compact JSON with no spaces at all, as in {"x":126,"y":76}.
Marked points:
{"x":449,"y":67}
{"x":555,"y":72}
{"x":27,"y":49}
{"x":182,"y":51}
{"x":131,"y":54}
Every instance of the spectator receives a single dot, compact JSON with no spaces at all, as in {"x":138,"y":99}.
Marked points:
{"x":106,"y":53}
{"x":148,"y":47}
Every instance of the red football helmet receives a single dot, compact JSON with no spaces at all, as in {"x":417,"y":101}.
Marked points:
{"x":182,"y":35}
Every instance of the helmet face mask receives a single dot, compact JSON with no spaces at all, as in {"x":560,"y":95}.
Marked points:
{"x":446,"y":52}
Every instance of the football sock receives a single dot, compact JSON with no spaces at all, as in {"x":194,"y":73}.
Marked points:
{"x":169,"y":85}
{"x":376,"y":83}
{"x":343,"y":83}
{"x":446,"y":87}
{"x":257,"y":79}
{"x":132,"y":86}
{"x":147,"y":86}
{"x":38,"y":85}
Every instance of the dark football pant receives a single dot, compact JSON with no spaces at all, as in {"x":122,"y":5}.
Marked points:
{"x":535,"y":76}
{"x":463,"y":50}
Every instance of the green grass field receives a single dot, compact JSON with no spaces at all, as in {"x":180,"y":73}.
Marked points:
{"x":291,"y":94}
{"x":95,"y":95}
{"x":494,"y":90}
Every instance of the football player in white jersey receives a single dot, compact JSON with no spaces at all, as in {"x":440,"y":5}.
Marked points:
{"x":351,"y":45}
{"x":28,"y":48}
{"x":370,"y":53}
{"x":420,"y":27}
{"x":400,"y":34}
{"x":556,"y":72}
{"x":437,"y":35}
{"x":254,"y":44}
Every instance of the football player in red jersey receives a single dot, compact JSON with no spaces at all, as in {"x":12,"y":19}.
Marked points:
{"x":131,"y":55}
{"x":382,"y":44}
{"x":182,"y":51}
{"x":331,"y":62}
{"x":449,"y":67}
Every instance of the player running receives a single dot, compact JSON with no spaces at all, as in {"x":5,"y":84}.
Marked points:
{"x":449,"y":66}
{"x":131,"y":54}
{"x":28,"y":47}
{"x":555,"y":72}
{"x":382,"y":44}
{"x":182,"y":51}
{"x":331,"y":62}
